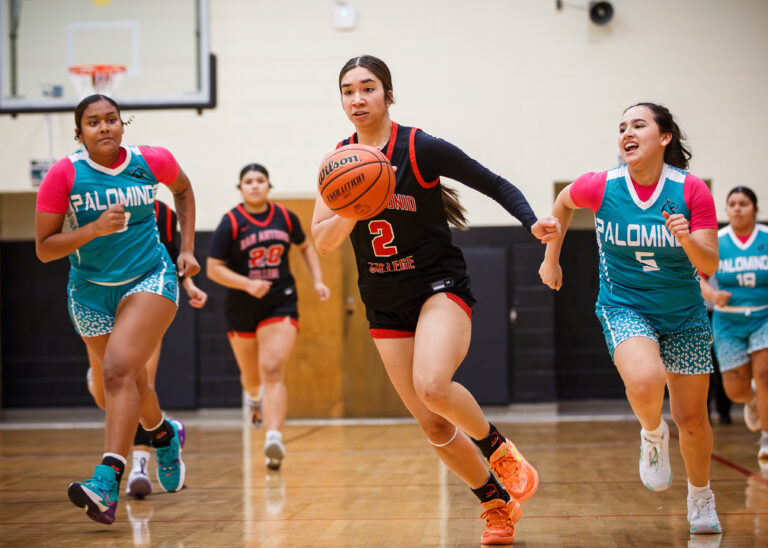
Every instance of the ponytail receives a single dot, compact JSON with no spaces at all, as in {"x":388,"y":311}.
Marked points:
{"x":454,"y":211}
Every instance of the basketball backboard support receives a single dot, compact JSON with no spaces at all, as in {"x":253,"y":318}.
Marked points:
{"x":163,"y":46}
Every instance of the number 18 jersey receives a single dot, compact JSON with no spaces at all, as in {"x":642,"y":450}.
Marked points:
{"x":743,"y":266}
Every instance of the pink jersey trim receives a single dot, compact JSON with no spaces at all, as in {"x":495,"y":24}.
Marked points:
{"x":161,"y":162}
{"x":53,"y":195}
{"x":699,"y":200}
{"x":587,"y":191}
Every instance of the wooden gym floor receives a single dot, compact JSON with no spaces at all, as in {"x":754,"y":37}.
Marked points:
{"x":377,"y":483}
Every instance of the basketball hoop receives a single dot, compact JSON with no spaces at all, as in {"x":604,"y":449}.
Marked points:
{"x":90,"y":79}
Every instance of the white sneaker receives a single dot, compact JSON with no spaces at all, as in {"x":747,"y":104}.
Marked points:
{"x":702,"y":514}
{"x":139,"y":485}
{"x":762,"y":453}
{"x":274,"y":450}
{"x":655,"y":471}
{"x":752,"y":415}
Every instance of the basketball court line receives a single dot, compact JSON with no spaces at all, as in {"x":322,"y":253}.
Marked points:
{"x":732,"y":465}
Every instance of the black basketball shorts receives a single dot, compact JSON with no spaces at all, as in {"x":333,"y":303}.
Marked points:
{"x":245,"y":314}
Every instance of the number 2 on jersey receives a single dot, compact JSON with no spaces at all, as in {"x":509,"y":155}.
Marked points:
{"x":382,"y":238}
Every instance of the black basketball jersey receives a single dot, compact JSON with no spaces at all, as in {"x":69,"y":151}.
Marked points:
{"x":405,"y":252}
{"x":256,"y":244}
{"x":167,"y":226}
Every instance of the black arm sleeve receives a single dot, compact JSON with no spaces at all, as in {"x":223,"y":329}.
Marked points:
{"x":436,"y":157}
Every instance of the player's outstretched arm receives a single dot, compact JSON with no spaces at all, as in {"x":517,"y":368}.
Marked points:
{"x":550,"y":272}
{"x":184,"y":201}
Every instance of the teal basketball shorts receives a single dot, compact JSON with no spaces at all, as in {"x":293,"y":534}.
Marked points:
{"x":685,"y":348}
{"x":92,"y":306}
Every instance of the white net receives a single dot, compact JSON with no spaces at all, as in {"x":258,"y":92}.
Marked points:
{"x":90,"y":79}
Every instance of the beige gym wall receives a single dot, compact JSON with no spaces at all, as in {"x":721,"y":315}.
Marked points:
{"x":532,"y":92}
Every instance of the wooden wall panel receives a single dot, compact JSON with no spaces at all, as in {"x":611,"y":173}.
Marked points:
{"x":314,"y":375}
{"x":334,"y":370}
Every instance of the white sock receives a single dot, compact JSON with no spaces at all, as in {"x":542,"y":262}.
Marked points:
{"x":275,"y":435}
{"x":657,"y":432}
{"x":694,"y":491}
{"x":258,"y":398}
{"x":138,"y":455}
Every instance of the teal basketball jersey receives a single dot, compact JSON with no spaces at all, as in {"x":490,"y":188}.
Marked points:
{"x":642,"y":265}
{"x":132,"y":251}
{"x":743,"y":267}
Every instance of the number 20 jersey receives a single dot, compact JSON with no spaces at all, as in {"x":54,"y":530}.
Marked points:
{"x":257,"y":244}
{"x":642,"y":265}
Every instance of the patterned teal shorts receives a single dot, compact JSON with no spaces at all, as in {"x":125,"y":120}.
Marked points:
{"x":92,"y":306}
{"x":685,"y":349}
{"x":736,"y":337}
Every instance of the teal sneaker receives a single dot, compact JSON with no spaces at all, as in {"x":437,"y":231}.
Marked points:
{"x":170,"y":467}
{"x":97,"y":495}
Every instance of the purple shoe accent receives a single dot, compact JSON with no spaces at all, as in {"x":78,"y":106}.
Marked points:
{"x":107,"y":517}
{"x":180,"y":431}
{"x":81,"y":499}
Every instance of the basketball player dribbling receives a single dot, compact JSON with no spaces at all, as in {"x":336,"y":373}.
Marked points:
{"x":420,"y":316}
{"x":122,"y":289}
{"x":249,"y":256}
{"x":656,"y":228}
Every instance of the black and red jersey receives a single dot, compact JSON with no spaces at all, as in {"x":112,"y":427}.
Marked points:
{"x":405,"y":249}
{"x":168,"y":228}
{"x":405,"y":252}
{"x":256,"y":244}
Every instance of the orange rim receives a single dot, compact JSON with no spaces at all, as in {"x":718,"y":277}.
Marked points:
{"x":96,"y":69}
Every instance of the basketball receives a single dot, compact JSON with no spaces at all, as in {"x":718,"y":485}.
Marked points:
{"x":356,"y":181}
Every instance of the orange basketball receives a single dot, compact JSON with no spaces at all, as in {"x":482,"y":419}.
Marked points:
{"x":356,"y":181}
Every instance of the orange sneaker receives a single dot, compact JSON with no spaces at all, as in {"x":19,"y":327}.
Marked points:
{"x":518,"y":476}
{"x":500,"y":518}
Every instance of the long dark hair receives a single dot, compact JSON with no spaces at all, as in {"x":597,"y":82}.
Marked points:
{"x":85,"y":103}
{"x":746,"y":191}
{"x":677,"y":152}
{"x":454,"y":211}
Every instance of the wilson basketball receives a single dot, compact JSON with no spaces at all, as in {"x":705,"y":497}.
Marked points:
{"x":356,"y":181}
